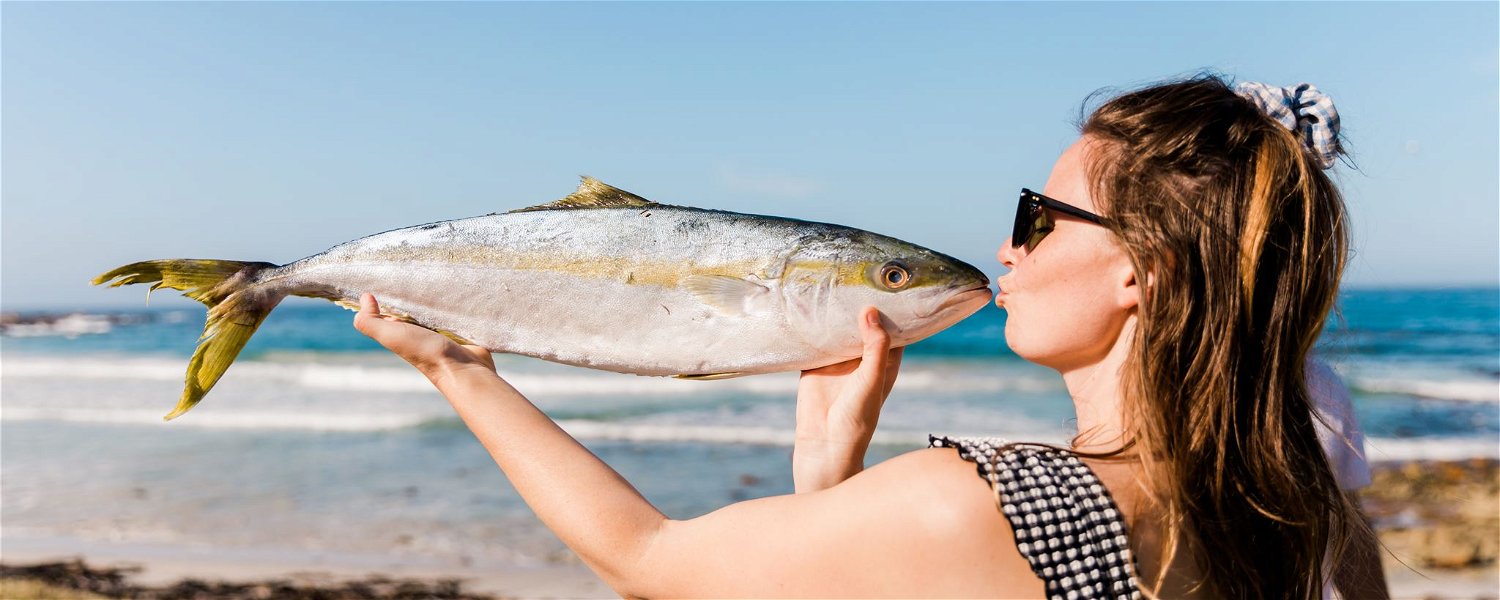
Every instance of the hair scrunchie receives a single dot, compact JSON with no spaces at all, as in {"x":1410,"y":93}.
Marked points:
{"x":1304,"y":110}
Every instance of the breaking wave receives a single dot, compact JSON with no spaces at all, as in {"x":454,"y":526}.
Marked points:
{"x":1446,"y":448}
{"x":1470,"y":390}
{"x":1378,"y":449}
{"x":399,"y":378}
{"x":259,"y":420}
{"x":585,"y":429}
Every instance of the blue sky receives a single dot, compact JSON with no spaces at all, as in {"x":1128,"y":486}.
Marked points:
{"x":271,"y":131}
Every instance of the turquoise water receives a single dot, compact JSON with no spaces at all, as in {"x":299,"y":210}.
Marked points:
{"x":328,"y":443}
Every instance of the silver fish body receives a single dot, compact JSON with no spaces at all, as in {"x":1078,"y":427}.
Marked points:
{"x":607,"y":280}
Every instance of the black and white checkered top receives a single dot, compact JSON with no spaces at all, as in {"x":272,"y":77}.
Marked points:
{"x":1065,"y":522}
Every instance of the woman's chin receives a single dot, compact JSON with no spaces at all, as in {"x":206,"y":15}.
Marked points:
{"x":1030,"y":352}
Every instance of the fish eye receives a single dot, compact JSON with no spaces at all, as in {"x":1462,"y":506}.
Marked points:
{"x":894,"y":275}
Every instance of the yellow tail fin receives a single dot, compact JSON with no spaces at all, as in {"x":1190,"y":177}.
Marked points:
{"x":235,"y":310}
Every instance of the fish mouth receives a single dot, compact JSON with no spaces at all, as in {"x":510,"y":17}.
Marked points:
{"x":960,"y":298}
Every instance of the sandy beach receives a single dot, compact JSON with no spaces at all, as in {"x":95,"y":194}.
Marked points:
{"x":1439,"y":521}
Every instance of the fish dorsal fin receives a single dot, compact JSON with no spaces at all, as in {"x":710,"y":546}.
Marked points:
{"x":592,"y":193}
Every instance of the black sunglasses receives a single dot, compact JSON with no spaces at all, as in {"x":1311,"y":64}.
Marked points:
{"x":1033,"y":222}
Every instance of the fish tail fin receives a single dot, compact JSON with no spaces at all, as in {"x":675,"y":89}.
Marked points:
{"x":236,"y":307}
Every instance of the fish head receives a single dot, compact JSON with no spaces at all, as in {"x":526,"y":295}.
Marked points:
{"x":919,"y":292}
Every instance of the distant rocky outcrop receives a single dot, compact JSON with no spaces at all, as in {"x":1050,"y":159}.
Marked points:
{"x":1438,"y":515}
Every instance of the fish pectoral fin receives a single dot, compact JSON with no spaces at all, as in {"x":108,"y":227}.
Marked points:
{"x":728,"y":295}
{"x":592,"y":193}
{"x":710,"y":376}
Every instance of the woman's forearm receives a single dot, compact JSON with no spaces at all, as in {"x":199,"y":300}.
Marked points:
{"x":586,"y":503}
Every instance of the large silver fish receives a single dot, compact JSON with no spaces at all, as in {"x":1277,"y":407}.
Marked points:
{"x":604,"y":279}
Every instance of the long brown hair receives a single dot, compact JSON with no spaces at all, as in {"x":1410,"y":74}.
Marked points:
{"x":1239,"y":239}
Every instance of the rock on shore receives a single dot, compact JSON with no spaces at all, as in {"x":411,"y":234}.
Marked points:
{"x":1437,"y":515}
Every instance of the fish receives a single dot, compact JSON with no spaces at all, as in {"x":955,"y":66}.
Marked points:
{"x":603,"y":279}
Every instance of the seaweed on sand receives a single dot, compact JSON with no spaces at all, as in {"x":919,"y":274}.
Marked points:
{"x":113,"y":582}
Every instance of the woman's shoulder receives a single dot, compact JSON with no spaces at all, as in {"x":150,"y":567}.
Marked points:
{"x":944,"y":482}
{"x":938,"y":496}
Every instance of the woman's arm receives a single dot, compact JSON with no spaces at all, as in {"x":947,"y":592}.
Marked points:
{"x":838,"y":407}
{"x":920,"y":524}
{"x":585,"y":502}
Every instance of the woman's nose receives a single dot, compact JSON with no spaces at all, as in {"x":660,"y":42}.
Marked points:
{"x":1007,"y":254}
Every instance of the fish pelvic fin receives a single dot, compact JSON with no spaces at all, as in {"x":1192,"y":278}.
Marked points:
{"x":235,"y":309}
{"x":592,"y":193}
{"x":457,"y":339}
{"x":709,"y":376}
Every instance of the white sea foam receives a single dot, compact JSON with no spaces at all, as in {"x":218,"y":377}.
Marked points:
{"x":634,"y":430}
{"x":716,"y":434}
{"x":70,"y":326}
{"x":1378,"y":449}
{"x":1447,"y":448}
{"x":558,"y":381}
{"x":123,"y":368}
{"x":648,"y":430}
{"x":651,"y":432}
{"x":314,"y":393}
{"x":224,"y":419}
{"x":377,"y":392}
{"x":1465,"y":389}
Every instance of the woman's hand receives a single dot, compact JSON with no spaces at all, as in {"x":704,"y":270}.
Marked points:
{"x":432,"y":353}
{"x":838,"y":407}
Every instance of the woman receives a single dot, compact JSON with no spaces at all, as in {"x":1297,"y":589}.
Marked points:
{"x":1176,"y":270}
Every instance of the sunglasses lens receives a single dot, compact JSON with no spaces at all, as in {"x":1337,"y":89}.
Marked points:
{"x":1027,"y":208}
{"x":1041,"y":225}
{"x":1032,"y":223}
{"x":1022,"y":229}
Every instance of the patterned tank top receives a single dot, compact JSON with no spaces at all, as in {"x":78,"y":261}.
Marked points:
{"x":1065,"y":522}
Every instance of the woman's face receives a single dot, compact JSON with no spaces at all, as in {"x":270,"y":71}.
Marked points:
{"x":1067,"y":299}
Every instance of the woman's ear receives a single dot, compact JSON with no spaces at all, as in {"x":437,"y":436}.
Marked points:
{"x":1130,"y":291}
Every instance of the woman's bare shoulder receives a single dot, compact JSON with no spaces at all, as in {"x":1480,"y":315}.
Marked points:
{"x":950,"y":502}
{"x":950,"y":489}
{"x":923,"y":524}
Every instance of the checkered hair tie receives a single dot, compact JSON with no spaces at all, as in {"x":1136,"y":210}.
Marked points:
{"x":1302,"y":109}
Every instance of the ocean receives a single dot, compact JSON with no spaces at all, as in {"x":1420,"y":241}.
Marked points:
{"x":318,"y":442}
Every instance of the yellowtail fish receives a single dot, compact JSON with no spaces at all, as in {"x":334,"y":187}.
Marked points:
{"x":603,"y":279}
